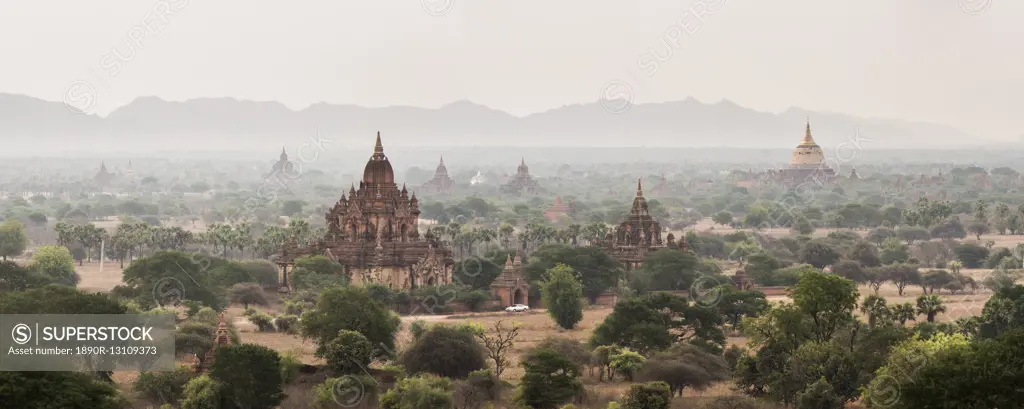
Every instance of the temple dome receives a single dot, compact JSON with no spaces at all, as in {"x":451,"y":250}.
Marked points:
{"x":807,"y":154}
{"x":378,"y":169}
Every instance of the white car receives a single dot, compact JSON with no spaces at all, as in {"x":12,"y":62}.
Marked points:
{"x":517,"y":308}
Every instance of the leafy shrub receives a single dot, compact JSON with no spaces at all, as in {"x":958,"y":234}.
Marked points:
{"x":446,"y":351}
{"x":350,"y":352}
{"x":163,"y":387}
{"x":288,"y":324}
{"x":262,"y":321}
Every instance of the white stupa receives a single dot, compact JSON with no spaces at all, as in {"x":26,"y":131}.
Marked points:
{"x":478,"y":179}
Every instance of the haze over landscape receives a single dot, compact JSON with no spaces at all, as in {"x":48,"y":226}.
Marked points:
{"x":936,"y":75}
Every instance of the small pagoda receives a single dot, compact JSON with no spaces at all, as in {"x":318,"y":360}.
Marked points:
{"x":103,"y":177}
{"x":557,"y":211}
{"x":740,"y":279}
{"x":510,"y":286}
{"x":522,"y":183}
{"x":283,"y":166}
{"x":220,"y":338}
{"x":441,"y":182}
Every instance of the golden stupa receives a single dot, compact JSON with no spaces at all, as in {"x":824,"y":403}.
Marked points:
{"x":807,"y":155}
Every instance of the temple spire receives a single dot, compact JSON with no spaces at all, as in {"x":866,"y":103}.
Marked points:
{"x":639,"y":188}
{"x":378,"y":149}
{"x":808,"y":140}
{"x":442,"y":160}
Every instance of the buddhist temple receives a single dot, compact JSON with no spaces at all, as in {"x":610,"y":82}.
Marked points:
{"x":103,"y":177}
{"x":559,"y":210}
{"x":636,"y":236}
{"x":478,"y":179}
{"x":807,"y":162}
{"x":441,"y":183}
{"x":510,"y":287}
{"x":373,"y":234}
{"x":522,"y":183}
{"x":282,"y":166}
{"x":741,"y":281}
{"x":220,"y":338}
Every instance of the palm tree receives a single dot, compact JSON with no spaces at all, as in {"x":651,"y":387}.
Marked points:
{"x":505,"y":233}
{"x":930,"y":305}
{"x":574,"y":231}
{"x":875,"y":308}
{"x":902,"y":313}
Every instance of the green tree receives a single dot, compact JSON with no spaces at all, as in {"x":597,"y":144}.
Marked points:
{"x":14,"y":277}
{"x":656,"y":321}
{"x":894,"y":251}
{"x":651,"y":395}
{"x":446,"y":351}
{"x":550,"y":380}
{"x":58,"y":299}
{"x":903,"y":275}
{"x":247,"y":294}
{"x":202,"y":392}
{"x":819,"y":395}
{"x":734,"y":304}
{"x":901,"y":370}
{"x":626,"y":362}
{"x":864,"y":253}
{"x":350,"y":391}
{"x":51,"y":390}
{"x":818,"y":254}
{"x":930,"y":306}
{"x":350,"y":308}
{"x":420,"y":392}
{"x":667,"y":271}
{"x":56,"y":263}
{"x":349,"y":353}
{"x":250,"y":375}
{"x":828,"y":300}
{"x":12,"y":239}
{"x":597,"y":270}
{"x":685,"y":366}
{"x":163,"y":387}
{"x":935,"y":279}
{"x":563,"y":296}
{"x":173,"y":277}
{"x":876,"y":309}
{"x":901,"y":313}
{"x":722,"y":218}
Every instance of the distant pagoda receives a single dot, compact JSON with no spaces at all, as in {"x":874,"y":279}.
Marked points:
{"x":104,"y":177}
{"x":807,"y":162}
{"x":522,"y":183}
{"x":283,"y":166}
{"x":441,"y":182}
{"x":558,"y":210}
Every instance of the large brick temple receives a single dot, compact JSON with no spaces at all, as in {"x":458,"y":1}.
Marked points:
{"x":374,"y":234}
{"x":637,"y":235}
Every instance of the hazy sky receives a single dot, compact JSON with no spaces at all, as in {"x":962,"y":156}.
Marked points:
{"x":926,"y":60}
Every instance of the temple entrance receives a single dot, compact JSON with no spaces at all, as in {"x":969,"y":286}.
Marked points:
{"x":517,"y":297}
{"x":430,"y":282}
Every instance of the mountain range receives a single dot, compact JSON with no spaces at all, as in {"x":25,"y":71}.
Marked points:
{"x":33,"y":126}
